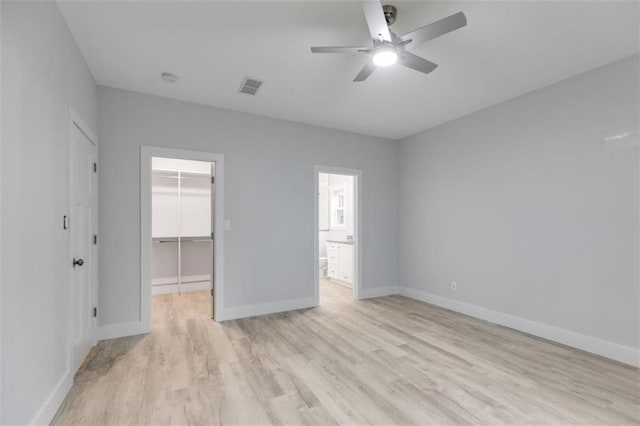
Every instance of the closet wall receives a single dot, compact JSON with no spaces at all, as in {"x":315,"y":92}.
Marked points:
{"x":182,"y":249}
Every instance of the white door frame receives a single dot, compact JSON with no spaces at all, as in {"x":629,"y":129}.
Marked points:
{"x":146,"y":153}
{"x":76,"y":121}
{"x":357,"y":215}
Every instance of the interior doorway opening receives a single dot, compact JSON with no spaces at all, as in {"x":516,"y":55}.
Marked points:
{"x":182,"y":237}
{"x":188,"y":228}
{"x":337,"y":235}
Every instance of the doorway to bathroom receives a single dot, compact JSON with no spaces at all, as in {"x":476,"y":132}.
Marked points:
{"x":337,"y":234}
{"x":181,"y":256}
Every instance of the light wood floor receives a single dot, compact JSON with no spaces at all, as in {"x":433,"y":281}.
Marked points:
{"x":381,"y":361}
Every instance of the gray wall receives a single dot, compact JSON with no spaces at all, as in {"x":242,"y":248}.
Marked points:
{"x":530,"y":208}
{"x":269,"y":191}
{"x":525,"y":204}
{"x":42,"y":74}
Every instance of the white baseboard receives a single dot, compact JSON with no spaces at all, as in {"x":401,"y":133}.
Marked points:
{"x":185,"y":287}
{"x":369,"y":293}
{"x":54,"y":400}
{"x":594,"y":345}
{"x":265,"y":308}
{"x":184,"y":279}
{"x":113,"y":331}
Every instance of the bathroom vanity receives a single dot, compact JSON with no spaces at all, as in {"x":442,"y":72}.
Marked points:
{"x":340,"y":259}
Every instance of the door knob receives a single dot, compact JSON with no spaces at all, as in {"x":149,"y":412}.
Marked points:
{"x":77,"y":262}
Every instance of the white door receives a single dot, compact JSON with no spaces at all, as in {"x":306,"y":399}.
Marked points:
{"x":82,"y":211}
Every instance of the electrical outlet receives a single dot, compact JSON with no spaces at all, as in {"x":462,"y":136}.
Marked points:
{"x":454,"y":286}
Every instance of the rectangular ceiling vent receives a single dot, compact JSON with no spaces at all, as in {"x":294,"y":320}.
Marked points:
{"x":250,"y":86}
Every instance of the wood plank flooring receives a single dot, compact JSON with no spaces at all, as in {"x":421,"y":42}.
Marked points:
{"x":390,"y":360}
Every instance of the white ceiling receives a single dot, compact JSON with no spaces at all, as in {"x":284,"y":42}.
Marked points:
{"x":508,"y":48}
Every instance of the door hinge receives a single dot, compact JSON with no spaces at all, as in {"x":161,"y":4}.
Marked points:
{"x":213,"y":180}
{"x":65,"y":222}
{"x":95,"y":240}
{"x":95,"y":312}
{"x":95,"y":167}
{"x":211,"y":292}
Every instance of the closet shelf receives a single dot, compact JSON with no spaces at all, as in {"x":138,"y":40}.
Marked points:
{"x":168,"y":174}
{"x":205,"y":239}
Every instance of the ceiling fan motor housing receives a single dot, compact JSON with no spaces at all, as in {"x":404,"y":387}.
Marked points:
{"x":390,"y":13}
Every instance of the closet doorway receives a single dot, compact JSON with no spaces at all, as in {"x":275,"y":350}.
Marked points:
{"x":180,"y":210}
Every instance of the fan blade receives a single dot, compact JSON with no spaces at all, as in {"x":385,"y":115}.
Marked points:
{"x":417,"y":63}
{"x":341,"y":49}
{"x":435,"y":29}
{"x":369,"y":68}
{"x":375,"y":20}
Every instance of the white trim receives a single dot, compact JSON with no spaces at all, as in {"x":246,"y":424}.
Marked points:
{"x":146,"y":153}
{"x":122,"y":329}
{"x":185,"y":287}
{"x":183,"y":279}
{"x":358,"y":248}
{"x":594,"y":345}
{"x":369,"y":293}
{"x":76,"y":121}
{"x":1,"y":210}
{"x":75,"y":118}
{"x":51,"y":405}
{"x":268,"y":308}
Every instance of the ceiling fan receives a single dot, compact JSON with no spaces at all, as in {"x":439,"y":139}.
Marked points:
{"x":388,"y":48}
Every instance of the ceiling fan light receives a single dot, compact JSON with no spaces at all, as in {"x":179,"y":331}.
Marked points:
{"x":385,"y":57}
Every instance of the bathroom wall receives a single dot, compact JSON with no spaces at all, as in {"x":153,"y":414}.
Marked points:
{"x":327,"y":181}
